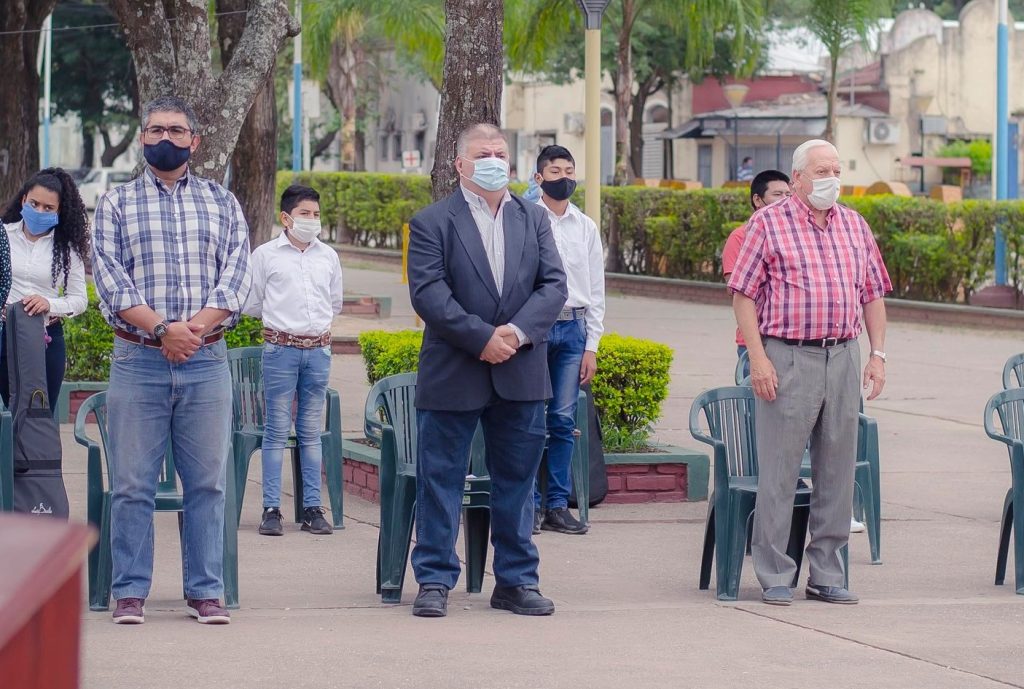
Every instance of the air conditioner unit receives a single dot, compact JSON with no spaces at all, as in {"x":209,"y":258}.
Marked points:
{"x":883,"y":131}
{"x":573,"y":123}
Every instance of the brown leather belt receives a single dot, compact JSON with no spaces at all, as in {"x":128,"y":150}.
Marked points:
{"x":279,"y":337}
{"x":150,"y":342}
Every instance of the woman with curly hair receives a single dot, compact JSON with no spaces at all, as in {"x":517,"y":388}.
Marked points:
{"x":47,"y":230}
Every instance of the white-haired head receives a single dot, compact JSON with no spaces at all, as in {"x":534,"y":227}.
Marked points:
{"x":802,"y":152}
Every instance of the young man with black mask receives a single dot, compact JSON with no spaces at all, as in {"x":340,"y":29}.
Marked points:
{"x":572,"y":343}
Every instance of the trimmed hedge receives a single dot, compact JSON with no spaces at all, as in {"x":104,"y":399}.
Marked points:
{"x":90,"y":341}
{"x":934,"y":251}
{"x":630,"y":386}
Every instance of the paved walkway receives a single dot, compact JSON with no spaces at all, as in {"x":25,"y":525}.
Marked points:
{"x":629,"y":612}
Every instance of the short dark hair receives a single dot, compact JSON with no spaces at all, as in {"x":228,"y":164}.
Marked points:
{"x":296,"y":194}
{"x":748,"y":159}
{"x":553,"y":152}
{"x":759,"y":185}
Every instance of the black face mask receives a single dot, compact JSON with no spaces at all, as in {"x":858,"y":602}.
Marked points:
{"x":165,"y":156}
{"x":559,"y":189}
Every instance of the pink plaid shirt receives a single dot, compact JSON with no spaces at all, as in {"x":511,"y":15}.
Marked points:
{"x":809,"y":282}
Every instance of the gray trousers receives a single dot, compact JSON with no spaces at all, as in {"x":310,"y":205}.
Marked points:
{"x":818,"y":400}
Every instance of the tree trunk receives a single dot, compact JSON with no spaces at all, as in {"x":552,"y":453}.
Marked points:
{"x":174,"y":57}
{"x":472,"y":81}
{"x":360,"y":138}
{"x":254,"y":161}
{"x":833,"y":87}
{"x":644,"y":91}
{"x":88,"y":146}
{"x":113,"y":152}
{"x":321,"y":146}
{"x":624,"y":94}
{"x":19,"y":109}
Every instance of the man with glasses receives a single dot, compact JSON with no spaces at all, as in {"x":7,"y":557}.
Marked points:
{"x":171,"y":264}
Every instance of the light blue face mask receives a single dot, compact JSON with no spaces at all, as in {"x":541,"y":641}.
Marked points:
{"x":490,"y":173}
{"x":38,"y":222}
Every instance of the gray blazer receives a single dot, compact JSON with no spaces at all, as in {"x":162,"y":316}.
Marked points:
{"x":454,"y":292}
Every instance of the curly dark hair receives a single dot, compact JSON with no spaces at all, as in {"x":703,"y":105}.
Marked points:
{"x":72,"y":229}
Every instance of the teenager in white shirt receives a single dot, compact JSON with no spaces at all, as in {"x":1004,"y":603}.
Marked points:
{"x":47,"y":228}
{"x":572,"y":343}
{"x":296,"y":290}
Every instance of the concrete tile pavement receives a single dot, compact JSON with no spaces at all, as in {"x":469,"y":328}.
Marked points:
{"x":629,"y":612}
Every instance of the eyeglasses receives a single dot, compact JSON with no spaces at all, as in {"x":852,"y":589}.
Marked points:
{"x":175,"y":133}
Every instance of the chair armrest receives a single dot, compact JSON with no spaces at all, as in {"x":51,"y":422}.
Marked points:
{"x":990,"y":429}
{"x":81,"y":437}
{"x":373,"y":428}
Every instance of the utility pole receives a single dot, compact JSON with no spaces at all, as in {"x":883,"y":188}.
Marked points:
{"x":297,"y":95}
{"x":47,"y":71}
{"x":1002,"y":146}
{"x":593,"y":10}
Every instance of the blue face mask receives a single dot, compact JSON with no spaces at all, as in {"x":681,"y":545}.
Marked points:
{"x":165,"y":156}
{"x":37,"y":222}
{"x":490,"y":173}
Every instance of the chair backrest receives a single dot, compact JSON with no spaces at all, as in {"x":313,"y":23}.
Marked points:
{"x":392,"y":401}
{"x":1013,"y":372}
{"x":97,"y":406}
{"x":247,"y":411}
{"x":729,"y":421}
{"x":1008,"y":407}
{"x":740,"y":376}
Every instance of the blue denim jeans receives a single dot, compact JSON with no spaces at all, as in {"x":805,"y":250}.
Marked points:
{"x":514,"y":441}
{"x":566,"y":344}
{"x":287,"y":371}
{"x":152,"y":403}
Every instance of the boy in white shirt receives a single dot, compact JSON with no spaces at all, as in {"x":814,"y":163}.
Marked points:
{"x":296,"y":290}
{"x":572,"y":343}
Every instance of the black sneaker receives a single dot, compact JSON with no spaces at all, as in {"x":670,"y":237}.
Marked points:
{"x":538,"y":517}
{"x":313,"y":521}
{"x":562,"y":521}
{"x":271,"y":524}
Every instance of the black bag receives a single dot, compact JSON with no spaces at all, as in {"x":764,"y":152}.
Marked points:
{"x":598,"y":471}
{"x":38,"y":481}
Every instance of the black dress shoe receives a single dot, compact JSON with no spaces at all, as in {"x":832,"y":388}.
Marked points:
{"x":522,"y":600}
{"x":431,"y":601}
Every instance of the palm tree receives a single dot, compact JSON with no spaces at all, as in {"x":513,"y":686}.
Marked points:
{"x":343,"y":38}
{"x":536,"y":27}
{"x":837,"y":25}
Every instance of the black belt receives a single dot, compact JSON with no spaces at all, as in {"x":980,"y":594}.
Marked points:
{"x":823,"y":342}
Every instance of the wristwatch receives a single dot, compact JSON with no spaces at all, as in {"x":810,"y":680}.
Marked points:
{"x":880,"y":354}
{"x":159,"y":330}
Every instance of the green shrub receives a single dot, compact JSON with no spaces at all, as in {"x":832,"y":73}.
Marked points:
{"x":631,"y":384}
{"x":388,"y":353}
{"x":629,"y":388}
{"x":90,"y":341}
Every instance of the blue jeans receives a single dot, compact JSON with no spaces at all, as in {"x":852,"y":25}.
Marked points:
{"x":150,"y":403}
{"x":566,"y":344}
{"x":514,"y":441}
{"x":287,"y":370}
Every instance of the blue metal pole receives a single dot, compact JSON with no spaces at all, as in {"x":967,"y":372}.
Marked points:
{"x":48,"y":67}
{"x":297,"y":96}
{"x":1002,"y":131}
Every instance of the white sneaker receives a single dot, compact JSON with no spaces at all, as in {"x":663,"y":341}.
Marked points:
{"x":856,"y":526}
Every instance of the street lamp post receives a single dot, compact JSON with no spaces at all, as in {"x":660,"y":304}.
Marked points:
{"x":297,"y":95}
{"x":921,"y":103}
{"x":1002,"y":139}
{"x":593,"y":10}
{"x":735,"y":94}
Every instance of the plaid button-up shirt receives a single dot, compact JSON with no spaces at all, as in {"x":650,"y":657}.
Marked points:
{"x":809,"y":282}
{"x":176,"y":250}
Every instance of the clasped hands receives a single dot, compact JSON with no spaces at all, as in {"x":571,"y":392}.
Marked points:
{"x":504,"y":343}
{"x":183,"y":339}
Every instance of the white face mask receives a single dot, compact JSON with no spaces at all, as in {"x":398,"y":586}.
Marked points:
{"x":825,"y":193}
{"x":305,"y":230}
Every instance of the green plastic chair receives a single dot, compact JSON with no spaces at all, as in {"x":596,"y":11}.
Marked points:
{"x":1013,"y":372}
{"x":6,"y":460}
{"x":248,"y":416}
{"x":867,"y":498}
{"x":168,"y":499}
{"x":390,"y":420}
{"x":729,"y":417}
{"x":1008,"y":406}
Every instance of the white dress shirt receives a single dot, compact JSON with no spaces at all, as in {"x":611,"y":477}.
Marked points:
{"x":492,"y":233}
{"x":32,"y":273}
{"x":293,"y":291}
{"x":579,"y":245}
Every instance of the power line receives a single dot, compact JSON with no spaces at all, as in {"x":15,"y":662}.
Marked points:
{"x":89,"y":27}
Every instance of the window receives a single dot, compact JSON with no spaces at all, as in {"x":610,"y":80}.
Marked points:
{"x":396,"y":153}
{"x":421,"y":144}
{"x":384,"y":139}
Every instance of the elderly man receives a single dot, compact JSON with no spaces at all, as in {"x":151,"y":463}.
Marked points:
{"x":171,"y":264}
{"x":807,"y":269}
{"x":486,"y":278}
